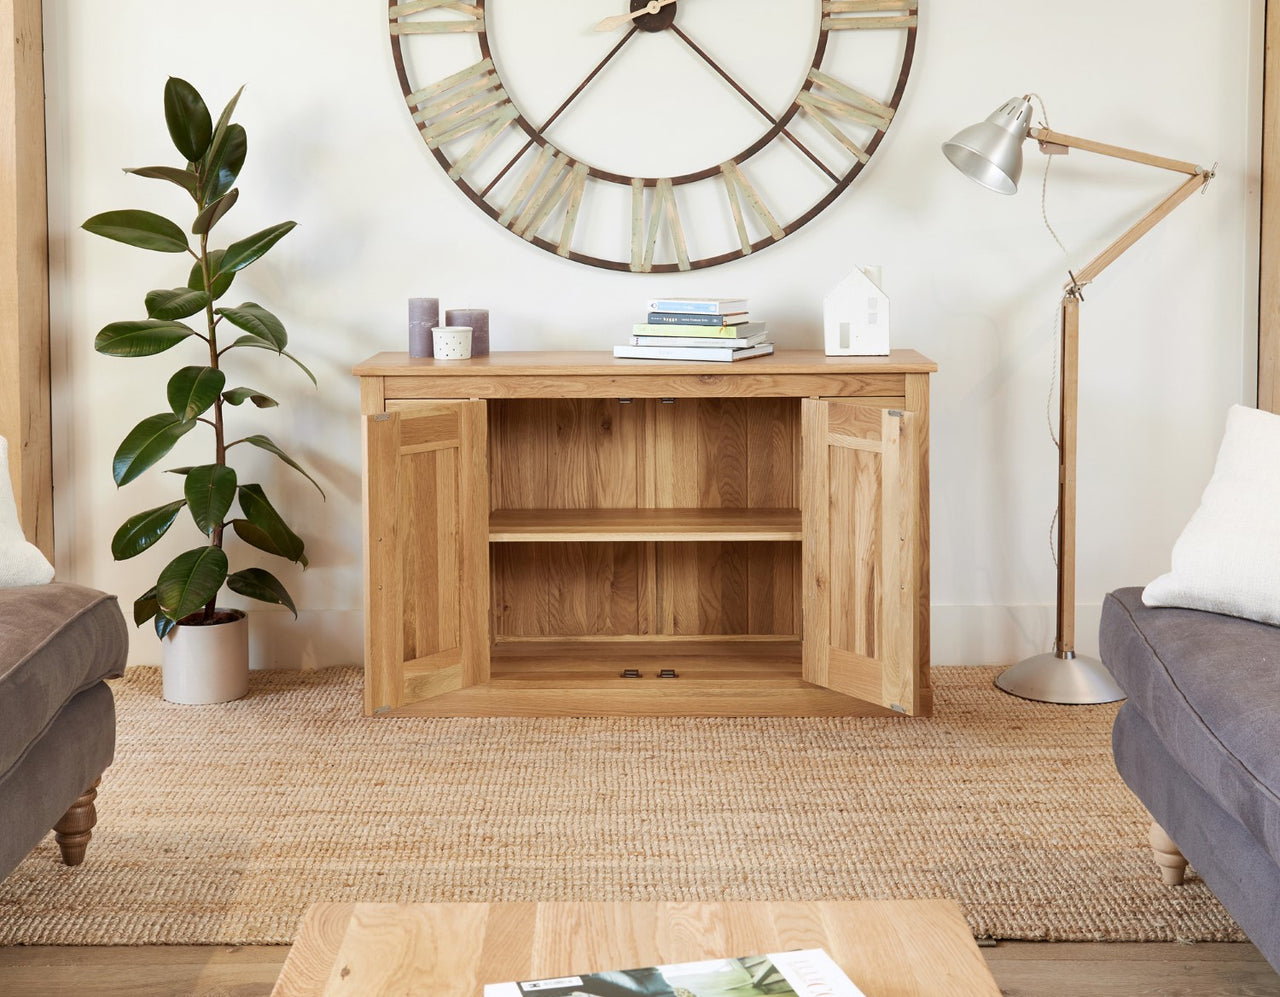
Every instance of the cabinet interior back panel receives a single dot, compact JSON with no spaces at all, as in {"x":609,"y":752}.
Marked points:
{"x":728,"y":588}
{"x":565,"y":453}
{"x":571,"y":589}
{"x":725,"y":453}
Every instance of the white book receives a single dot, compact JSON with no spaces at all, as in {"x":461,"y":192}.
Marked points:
{"x":700,"y":342}
{"x":722,"y":353}
{"x":699,"y":306}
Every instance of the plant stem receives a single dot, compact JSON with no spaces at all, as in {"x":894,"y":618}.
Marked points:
{"x":220,"y":450}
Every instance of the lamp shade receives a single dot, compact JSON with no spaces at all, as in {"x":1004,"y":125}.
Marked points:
{"x":991,"y":152}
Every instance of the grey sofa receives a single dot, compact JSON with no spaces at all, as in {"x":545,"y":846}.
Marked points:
{"x":1198,"y":742}
{"x":58,"y":642}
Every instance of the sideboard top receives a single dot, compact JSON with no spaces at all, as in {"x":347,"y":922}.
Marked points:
{"x":549,"y":363}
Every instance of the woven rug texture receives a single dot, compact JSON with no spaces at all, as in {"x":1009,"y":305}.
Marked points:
{"x":221,"y":824}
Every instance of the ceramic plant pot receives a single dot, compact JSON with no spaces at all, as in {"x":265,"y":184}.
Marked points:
{"x":207,"y":664}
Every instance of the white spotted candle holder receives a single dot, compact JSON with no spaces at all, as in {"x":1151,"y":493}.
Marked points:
{"x":451,"y":342}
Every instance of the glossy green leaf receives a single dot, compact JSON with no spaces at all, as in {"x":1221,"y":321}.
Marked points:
{"x":175,"y":303}
{"x":265,"y":443}
{"x":209,"y":217}
{"x":263,"y":528}
{"x":257,"y":583}
{"x":140,"y":338}
{"x":144,"y":229}
{"x":146,"y":443}
{"x":190,"y":125}
{"x":186,"y":179}
{"x":257,"y":321}
{"x":240,"y":254}
{"x":220,"y":283}
{"x":179,"y":470}
{"x":139,"y":532}
{"x":224,"y":163}
{"x":259,"y":344}
{"x":210,"y":490}
{"x":238,"y":396}
{"x":145,"y":607}
{"x":217,"y":147}
{"x":193,"y":389}
{"x":191,"y":580}
{"x":163,"y":623}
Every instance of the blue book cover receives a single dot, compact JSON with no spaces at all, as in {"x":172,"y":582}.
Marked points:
{"x":699,"y":306}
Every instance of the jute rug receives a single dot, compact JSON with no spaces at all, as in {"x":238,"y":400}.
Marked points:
{"x":220,"y":824}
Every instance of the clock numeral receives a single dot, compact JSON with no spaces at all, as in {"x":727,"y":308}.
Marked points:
{"x":540,"y":162}
{"x":644,"y":237}
{"x":467,"y":101}
{"x":557,"y":184}
{"x":398,"y":27}
{"x":836,"y":99}
{"x":739,"y":190}
{"x":578,"y":184}
{"x":906,"y":18}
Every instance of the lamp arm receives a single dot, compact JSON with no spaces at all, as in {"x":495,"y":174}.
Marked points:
{"x":1046,"y":137}
{"x":1144,"y":225}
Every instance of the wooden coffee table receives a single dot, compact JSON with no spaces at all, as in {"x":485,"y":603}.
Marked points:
{"x":892,"y":947}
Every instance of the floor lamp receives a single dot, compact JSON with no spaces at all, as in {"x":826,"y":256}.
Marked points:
{"x":991,"y":154}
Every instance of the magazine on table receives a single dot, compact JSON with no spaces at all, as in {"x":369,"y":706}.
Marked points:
{"x":800,"y":973}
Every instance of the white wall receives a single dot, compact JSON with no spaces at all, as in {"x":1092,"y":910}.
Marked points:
{"x":1168,"y":331}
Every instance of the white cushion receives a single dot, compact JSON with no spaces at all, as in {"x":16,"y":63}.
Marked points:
{"x":21,"y":563}
{"x":1227,"y":560}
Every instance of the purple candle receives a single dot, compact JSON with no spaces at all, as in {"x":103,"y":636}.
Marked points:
{"x":424,"y":313}
{"x":478,"y":319}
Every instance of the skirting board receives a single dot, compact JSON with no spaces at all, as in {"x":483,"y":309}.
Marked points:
{"x":316,"y":639}
{"x":960,"y":635}
{"x":1004,"y":635}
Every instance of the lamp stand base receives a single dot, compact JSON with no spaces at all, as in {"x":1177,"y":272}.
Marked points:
{"x":1074,"y":680}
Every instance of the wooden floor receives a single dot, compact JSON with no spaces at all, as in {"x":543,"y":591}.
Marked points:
{"x":1023,"y":969}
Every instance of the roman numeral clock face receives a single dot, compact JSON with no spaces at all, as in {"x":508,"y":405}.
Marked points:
{"x":653,"y":136}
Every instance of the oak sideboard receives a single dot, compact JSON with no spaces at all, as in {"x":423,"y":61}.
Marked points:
{"x":563,"y":533}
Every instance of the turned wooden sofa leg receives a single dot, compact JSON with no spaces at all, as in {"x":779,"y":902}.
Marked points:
{"x":75,"y":828}
{"x":1171,"y":861}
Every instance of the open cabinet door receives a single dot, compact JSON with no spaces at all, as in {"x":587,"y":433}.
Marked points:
{"x":860,"y":503}
{"x":426,"y":562}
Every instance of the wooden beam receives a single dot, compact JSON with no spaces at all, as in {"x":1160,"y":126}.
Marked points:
{"x":1269,"y":255}
{"x":24,"y":270}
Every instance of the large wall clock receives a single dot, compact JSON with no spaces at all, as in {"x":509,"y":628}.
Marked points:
{"x":653,"y":136}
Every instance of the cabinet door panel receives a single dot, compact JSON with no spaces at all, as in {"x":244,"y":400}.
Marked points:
{"x":426,"y":570}
{"x":860,"y":501}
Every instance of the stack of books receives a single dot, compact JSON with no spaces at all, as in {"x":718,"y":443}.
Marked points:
{"x":697,"y":329}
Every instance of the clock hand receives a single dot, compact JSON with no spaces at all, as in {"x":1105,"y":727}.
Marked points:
{"x":618,"y":20}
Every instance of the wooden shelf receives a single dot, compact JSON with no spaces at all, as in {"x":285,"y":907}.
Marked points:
{"x":606,"y":525}
{"x":723,"y":676}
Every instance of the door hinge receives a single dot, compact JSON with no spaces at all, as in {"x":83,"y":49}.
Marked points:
{"x":897,"y":708}
{"x":382,"y":709}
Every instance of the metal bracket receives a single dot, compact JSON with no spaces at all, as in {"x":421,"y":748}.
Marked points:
{"x":382,"y":709}
{"x":668,"y":673}
{"x":630,"y":673}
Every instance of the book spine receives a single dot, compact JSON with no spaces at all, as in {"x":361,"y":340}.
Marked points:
{"x":670,"y":353}
{"x":697,"y":342}
{"x":696,"y":307}
{"x":702,"y":331}
{"x":687,"y":318}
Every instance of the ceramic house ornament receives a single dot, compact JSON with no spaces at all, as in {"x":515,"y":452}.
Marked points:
{"x":855,"y":316}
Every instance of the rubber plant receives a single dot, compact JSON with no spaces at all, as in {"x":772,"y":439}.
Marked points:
{"x":187,"y":588}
